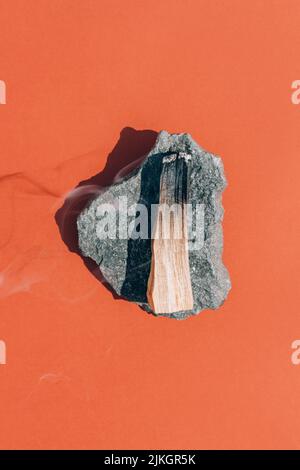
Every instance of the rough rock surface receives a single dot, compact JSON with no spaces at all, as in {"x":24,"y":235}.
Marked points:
{"x":125,"y":263}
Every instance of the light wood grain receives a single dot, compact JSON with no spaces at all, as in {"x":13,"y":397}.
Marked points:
{"x":169,"y":285}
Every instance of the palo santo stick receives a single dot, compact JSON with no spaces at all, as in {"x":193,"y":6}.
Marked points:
{"x":169,"y":286}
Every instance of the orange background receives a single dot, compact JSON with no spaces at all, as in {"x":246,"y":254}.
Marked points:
{"x":87,"y":371}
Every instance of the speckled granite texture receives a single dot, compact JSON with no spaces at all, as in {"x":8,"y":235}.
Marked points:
{"x":125,"y":263}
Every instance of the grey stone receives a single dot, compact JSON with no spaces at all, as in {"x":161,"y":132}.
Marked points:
{"x":125,"y":263}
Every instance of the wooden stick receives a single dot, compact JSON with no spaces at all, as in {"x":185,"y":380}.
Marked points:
{"x":169,"y":285}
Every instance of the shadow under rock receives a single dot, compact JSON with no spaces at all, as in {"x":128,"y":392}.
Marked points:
{"x":128,"y":154}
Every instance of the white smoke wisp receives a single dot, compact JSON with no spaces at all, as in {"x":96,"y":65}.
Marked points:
{"x":18,"y":275}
